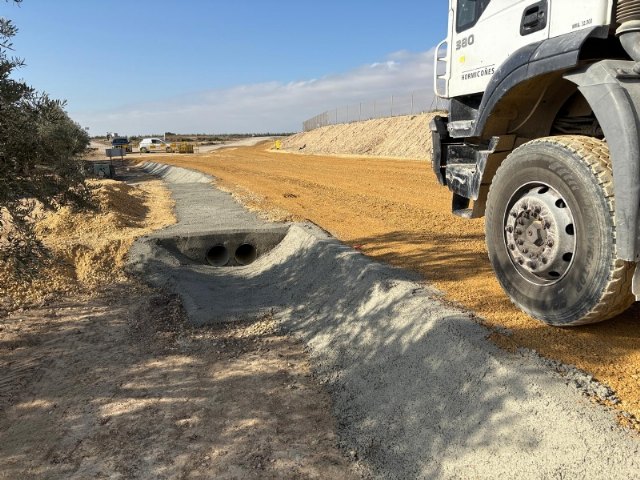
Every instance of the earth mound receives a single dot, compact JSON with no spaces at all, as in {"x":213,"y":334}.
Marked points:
{"x":407,"y":136}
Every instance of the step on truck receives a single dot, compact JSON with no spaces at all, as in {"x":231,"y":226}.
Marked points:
{"x":542,"y":139}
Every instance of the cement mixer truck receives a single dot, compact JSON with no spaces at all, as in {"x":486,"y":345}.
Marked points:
{"x":542,"y":138}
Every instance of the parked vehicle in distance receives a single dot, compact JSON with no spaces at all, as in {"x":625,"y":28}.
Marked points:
{"x":154,"y":145}
{"x":121,"y":142}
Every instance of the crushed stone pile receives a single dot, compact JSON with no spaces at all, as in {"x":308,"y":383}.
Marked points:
{"x":407,"y":136}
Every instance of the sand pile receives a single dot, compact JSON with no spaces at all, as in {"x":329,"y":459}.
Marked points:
{"x":84,"y":250}
{"x":404,"y":137}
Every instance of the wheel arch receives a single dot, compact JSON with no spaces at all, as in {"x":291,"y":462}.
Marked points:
{"x":615,"y":104}
{"x":528,"y":74}
{"x":612,"y":90}
{"x":540,"y":102}
{"x":528,"y":110}
{"x":526,"y":94}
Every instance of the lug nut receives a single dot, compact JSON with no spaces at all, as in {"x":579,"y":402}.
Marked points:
{"x":512,"y":246}
{"x":550,"y":243}
{"x":514,"y":214}
{"x":521,"y":261}
{"x":532,"y":265}
{"x":520,"y":242}
{"x":525,"y":250}
{"x":544,"y":260}
{"x":510,"y":229}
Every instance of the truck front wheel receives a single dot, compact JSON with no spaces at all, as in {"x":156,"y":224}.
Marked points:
{"x":550,"y":232}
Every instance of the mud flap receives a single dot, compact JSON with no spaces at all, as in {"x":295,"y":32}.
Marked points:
{"x":612,"y":89}
{"x":635,"y":284}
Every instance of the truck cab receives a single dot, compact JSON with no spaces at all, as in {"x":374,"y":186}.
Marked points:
{"x":474,"y":50}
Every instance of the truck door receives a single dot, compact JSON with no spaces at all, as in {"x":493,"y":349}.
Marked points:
{"x":484,"y":33}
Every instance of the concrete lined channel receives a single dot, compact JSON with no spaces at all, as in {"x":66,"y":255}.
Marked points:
{"x":418,"y":390}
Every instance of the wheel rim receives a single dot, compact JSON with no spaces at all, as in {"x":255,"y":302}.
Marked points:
{"x":539,"y":234}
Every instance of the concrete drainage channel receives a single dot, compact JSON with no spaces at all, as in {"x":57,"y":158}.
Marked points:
{"x":418,"y":390}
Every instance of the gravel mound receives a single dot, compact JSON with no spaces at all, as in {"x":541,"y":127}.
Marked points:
{"x":403,"y":137}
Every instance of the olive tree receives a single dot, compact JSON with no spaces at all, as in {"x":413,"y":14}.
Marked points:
{"x":40,"y":146}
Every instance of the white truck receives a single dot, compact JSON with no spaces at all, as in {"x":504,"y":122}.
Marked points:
{"x":542,"y":138}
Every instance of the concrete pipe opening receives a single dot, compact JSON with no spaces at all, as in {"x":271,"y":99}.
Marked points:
{"x":246,"y":254}
{"x":218,"y":256}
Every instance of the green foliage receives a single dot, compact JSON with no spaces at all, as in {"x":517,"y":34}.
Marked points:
{"x":40,"y":146}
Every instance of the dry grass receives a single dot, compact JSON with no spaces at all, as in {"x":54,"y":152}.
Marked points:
{"x":85,"y":250}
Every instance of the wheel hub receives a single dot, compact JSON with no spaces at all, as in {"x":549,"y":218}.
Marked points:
{"x":539,"y":234}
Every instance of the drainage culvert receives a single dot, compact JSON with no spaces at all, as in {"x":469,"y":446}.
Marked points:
{"x":227,"y":248}
{"x":218,"y":256}
{"x":246,"y":254}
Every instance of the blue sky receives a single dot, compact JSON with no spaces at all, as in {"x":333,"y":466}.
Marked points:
{"x":150,"y":66}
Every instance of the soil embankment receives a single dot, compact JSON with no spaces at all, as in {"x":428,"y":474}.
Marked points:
{"x":402,"y":137}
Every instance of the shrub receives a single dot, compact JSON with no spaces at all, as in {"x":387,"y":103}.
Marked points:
{"x":40,"y":146}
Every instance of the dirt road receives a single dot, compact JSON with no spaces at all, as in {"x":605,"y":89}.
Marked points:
{"x":115,"y":386}
{"x":394,"y":210}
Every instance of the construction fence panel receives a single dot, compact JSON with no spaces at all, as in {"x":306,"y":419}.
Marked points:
{"x":416,"y":102}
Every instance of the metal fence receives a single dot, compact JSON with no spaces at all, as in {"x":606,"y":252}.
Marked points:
{"x":416,"y":102}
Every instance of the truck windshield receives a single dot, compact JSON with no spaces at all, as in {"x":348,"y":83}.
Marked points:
{"x":469,"y":12}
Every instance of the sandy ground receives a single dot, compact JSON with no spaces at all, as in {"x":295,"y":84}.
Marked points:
{"x":115,"y":386}
{"x":245,"y":142}
{"x":107,"y":381}
{"x":395,"y":211}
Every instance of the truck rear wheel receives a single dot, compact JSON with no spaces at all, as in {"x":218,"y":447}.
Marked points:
{"x":550,"y":232}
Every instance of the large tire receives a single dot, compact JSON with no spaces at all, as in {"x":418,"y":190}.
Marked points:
{"x":550,"y":232}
